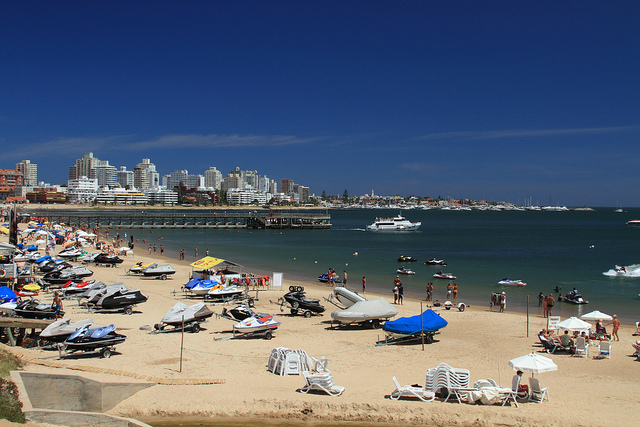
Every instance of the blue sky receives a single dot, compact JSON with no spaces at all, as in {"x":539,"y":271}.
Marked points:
{"x":497,"y":100}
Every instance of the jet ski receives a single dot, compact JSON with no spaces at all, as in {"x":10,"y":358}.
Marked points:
{"x":73,"y":288}
{"x":434,"y":261}
{"x":34,"y":309}
{"x":8,"y":299}
{"x":324,"y":278}
{"x":298,"y":301}
{"x":403,"y":270}
{"x":61,"y":329}
{"x":75,"y":274}
{"x":511,"y":282}
{"x":255,"y":324}
{"x":221,"y":292}
{"x":71,"y":253}
{"x":202,"y":286}
{"x":158,"y":271}
{"x":120,"y":300}
{"x":138,"y":267}
{"x":241,"y":312}
{"x":573,"y":297}
{"x":104,"y":258}
{"x":53,"y":264}
{"x":624,"y":271}
{"x":441,"y":275}
{"x":88,"y":258}
{"x":406,"y":258}
{"x":100,"y":339}
{"x":192,"y":316}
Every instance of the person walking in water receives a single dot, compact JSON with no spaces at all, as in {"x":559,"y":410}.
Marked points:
{"x":344,"y":278}
{"x":364,"y":284}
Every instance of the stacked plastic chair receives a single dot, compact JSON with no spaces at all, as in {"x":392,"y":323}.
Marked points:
{"x":283,"y":361}
{"x":444,"y":376}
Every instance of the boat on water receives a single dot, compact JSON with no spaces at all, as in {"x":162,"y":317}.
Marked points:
{"x":406,"y":258}
{"x":624,"y":271}
{"x":511,"y":282}
{"x":435,"y":261}
{"x":633,"y":223}
{"x":573,"y":297}
{"x":403,"y":270}
{"x":397,"y":223}
{"x":365,"y":312}
{"x":447,"y":276}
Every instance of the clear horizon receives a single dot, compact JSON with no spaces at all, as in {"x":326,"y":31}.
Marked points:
{"x":494,"y":100}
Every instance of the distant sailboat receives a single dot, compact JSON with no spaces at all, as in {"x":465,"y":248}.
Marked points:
{"x":619,"y":209}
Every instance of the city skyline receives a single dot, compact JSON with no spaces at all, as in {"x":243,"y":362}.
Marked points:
{"x":490,"y":100}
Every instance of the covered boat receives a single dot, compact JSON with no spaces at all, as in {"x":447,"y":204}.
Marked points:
{"x":428,"y":323}
{"x":61,"y":329}
{"x":366,"y":311}
{"x":159,"y":271}
{"x":192,"y":316}
{"x":121,"y":299}
{"x":347,"y":297}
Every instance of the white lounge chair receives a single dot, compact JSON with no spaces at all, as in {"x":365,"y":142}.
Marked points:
{"x":538,"y":394}
{"x":321,"y":382}
{"x":411,"y":391}
{"x":582,"y":348}
{"x":604,"y":350}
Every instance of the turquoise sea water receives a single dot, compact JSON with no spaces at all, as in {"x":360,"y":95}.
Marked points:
{"x":544,"y":249}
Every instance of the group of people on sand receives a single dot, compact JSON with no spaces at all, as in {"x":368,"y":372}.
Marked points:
{"x":398,"y":291}
{"x":452,"y":291}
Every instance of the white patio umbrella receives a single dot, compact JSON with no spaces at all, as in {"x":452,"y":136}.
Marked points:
{"x":574,"y":324}
{"x":596,"y":315}
{"x":41,"y":242}
{"x":41,"y":233}
{"x":533,"y":363}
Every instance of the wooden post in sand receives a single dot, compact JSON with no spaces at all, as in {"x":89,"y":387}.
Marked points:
{"x":421,"y":328}
{"x":182,"y":343}
{"x":527,"y":316}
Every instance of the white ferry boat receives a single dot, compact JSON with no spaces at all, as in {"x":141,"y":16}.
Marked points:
{"x":398,"y":223}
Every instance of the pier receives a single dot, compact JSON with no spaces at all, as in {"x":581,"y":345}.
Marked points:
{"x":186,"y":218}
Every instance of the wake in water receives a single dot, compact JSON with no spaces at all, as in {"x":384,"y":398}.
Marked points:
{"x":624,"y":271}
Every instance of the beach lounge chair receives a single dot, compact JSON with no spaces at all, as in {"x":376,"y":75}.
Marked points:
{"x":636,"y":347}
{"x":537,"y":394}
{"x":321,"y":382}
{"x":582,"y":348}
{"x":411,"y":391}
{"x":604,"y":350}
{"x":551,"y":347}
{"x":512,"y":394}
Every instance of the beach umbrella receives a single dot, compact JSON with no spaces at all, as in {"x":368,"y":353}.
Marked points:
{"x":533,"y":363}
{"x":41,"y":242}
{"x":573,"y":324}
{"x":596,"y":315}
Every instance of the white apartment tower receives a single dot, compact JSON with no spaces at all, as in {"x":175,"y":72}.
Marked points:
{"x":213,"y":178}
{"x":145,"y":175}
{"x":29,"y":171}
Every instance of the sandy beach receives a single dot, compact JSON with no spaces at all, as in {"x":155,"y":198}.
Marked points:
{"x":583,"y":391}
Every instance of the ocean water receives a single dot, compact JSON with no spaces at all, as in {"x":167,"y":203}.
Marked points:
{"x":544,"y":249}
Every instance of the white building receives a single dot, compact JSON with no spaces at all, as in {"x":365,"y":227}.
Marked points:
{"x":161,"y":195}
{"x":82,"y":190}
{"x":29,"y":171}
{"x":125,"y":178}
{"x":213,"y":178}
{"x":121,"y":196}
{"x":105,"y":174}
{"x":190,"y":182}
{"x":245,"y":197}
{"x":145,"y":175}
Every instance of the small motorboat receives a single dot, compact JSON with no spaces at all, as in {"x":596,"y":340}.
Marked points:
{"x":191,"y":316}
{"x":138,"y":267}
{"x":397,"y":223}
{"x":434,"y":261}
{"x":100,"y":339}
{"x":447,"y":276}
{"x":406,"y":258}
{"x":403,"y":270}
{"x":412,"y":328}
{"x":61,"y":329}
{"x":158,"y":271}
{"x":298,"y":301}
{"x":224,"y":293}
{"x":255,"y":324}
{"x":511,"y":282}
{"x":106,"y":259}
{"x":365,"y":312}
{"x":347,"y":297}
{"x":34,"y":309}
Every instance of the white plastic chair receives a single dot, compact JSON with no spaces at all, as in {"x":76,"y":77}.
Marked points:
{"x":321,"y":382}
{"x":292,"y":364}
{"x":604,"y":350}
{"x":538,"y":394}
{"x":582,"y":348}
{"x":411,"y":391}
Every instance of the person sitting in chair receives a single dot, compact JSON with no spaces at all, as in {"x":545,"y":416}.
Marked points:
{"x":566,"y":340}
{"x":522,"y":390}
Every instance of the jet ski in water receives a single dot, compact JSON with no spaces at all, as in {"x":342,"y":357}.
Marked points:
{"x":573,"y":297}
{"x":441,"y":275}
{"x":100,"y":339}
{"x":297,"y":300}
{"x":624,"y":271}
{"x":192,"y":316}
{"x":406,"y":258}
{"x":403,"y":270}
{"x":434,"y":261}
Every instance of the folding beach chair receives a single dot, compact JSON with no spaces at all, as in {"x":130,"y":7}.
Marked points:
{"x":604,"y":350}
{"x":411,"y":391}
{"x":582,"y":348}
{"x":321,"y":382}
{"x":538,"y":394}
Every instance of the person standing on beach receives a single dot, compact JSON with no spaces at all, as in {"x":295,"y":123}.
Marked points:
{"x":161,"y":250}
{"x":430,"y":288}
{"x":455,"y":292}
{"x":206,"y":253}
{"x":364,"y":284}
{"x":150,"y":248}
{"x":540,"y":299}
{"x":396,"y":283}
{"x":344,"y":278}
{"x":196,"y":252}
{"x":400,"y":294}
{"x":154,"y":248}
{"x":57,"y":305}
{"x":503,"y":301}
{"x":616,"y":325}
{"x":449,"y":290}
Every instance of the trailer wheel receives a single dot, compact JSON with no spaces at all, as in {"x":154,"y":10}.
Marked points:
{"x":163,"y":277}
{"x":375,"y":323}
{"x":106,"y":353}
{"x":157,"y":327}
{"x":292,"y":288}
{"x":195,"y":328}
{"x":128,"y":310}
{"x":294,"y":311}
{"x":268,"y":335}
{"x":307,"y":314}
{"x":462,"y":307}
{"x":428,"y":338}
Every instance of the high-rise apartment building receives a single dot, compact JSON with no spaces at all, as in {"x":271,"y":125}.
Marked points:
{"x":29,"y":172}
{"x":125,"y":178}
{"x":145,"y":175}
{"x":213,"y":178}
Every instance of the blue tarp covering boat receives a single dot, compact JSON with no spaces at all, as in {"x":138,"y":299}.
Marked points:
{"x":431,"y":322}
{"x":7,"y":295}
